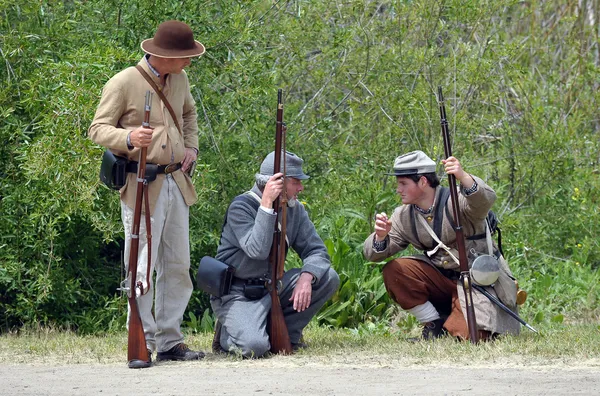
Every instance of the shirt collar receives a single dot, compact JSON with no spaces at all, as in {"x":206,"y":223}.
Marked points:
{"x":153,"y":70}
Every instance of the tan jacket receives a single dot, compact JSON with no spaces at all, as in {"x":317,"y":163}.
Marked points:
{"x":121,"y":110}
{"x":474,"y":209}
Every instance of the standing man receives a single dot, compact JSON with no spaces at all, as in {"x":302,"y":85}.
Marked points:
{"x":246,"y":243}
{"x":426,"y":285}
{"x":117,"y":126}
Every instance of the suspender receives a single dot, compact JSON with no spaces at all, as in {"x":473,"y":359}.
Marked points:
{"x":438,"y":216}
{"x":438,"y":219}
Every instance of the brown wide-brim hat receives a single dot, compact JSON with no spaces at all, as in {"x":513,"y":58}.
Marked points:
{"x":173,"y":39}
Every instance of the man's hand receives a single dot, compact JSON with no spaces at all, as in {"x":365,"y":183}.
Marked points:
{"x":301,"y":296}
{"x":141,"y":136}
{"x":188,"y":159}
{"x":383,"y":226}
{"x":272,"y":190}
{"x":453,"y":167}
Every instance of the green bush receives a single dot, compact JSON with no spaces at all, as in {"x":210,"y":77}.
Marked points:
{"x":359,"y":79}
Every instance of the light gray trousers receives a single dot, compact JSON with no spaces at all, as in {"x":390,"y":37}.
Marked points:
{"x":244,"y":321}
{"x":170,"y":260}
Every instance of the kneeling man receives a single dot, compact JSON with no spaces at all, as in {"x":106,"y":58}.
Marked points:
{"x":246,"y":243}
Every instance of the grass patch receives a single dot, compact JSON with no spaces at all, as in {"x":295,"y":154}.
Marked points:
{"x":557,"y":344}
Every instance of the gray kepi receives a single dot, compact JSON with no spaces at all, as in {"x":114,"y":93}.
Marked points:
{"x":293,"y":165}
{"x":413,"y":163}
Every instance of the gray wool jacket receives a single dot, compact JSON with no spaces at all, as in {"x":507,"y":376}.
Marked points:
{"x":248,"y":234}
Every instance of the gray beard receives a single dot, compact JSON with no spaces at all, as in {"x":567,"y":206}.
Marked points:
{"x":292,"y":203}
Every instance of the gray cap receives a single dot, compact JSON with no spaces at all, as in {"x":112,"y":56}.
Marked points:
{"x":293,"y":165}
{"x":413,"y":163}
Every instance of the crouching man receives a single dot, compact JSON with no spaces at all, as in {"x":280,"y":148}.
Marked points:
{"x":246,"y":243}
{"x":427,"y":285}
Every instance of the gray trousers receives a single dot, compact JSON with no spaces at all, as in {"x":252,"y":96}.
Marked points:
{"x":171,"y":262}
{"x":244,"y":321}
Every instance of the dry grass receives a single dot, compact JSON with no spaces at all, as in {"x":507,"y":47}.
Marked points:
{"x":564,"y":345}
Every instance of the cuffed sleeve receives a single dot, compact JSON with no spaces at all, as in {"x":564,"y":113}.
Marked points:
{"x":104,"y":130}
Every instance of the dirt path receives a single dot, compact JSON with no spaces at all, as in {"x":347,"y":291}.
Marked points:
{"x":296,"y":377}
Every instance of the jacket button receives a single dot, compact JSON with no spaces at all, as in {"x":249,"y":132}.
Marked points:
{"x":164,"y":146}
{"x":444,"y":262}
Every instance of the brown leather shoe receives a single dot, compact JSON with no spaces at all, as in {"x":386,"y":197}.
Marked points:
{"x":179,"y":352}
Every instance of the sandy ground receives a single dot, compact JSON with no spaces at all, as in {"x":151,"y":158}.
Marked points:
{"x":278,"y":376}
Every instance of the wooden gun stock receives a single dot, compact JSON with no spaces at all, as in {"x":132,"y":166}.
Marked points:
{"x":278,"y":332}
{"x":465,"y":276}
{"x":137,"y":352}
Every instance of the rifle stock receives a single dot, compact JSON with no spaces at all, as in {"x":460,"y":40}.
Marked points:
{"x":137,"y":352}
{"x":465,"y":276}
{"x":278,"y":332}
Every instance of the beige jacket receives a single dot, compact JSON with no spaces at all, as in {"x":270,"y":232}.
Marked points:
{"x":474,"y":209}
{"x":121,"y":110}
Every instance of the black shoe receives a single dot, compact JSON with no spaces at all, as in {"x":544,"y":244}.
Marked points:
{"x":299,"y":345}
{"x":431,"y":331}
{"x":216,"y":342}
{"x":179,"y":352}
{"x":138,"y":364}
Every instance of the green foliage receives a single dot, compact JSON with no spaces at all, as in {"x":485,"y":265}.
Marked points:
{"x":359,"y":78}
{"x":204,"y":324}
{"x":361,"y":296}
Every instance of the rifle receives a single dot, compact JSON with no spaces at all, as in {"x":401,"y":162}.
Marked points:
{"x":465,"y":276}
{"x":137,"y":352}
{"x":278,"y":332}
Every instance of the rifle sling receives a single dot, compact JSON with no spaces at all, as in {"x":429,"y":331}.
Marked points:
{"x":160,"y":95}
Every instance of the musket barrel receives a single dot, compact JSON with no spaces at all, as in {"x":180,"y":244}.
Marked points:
{"x":278,"y":332}
{"x":137,"y":353}
{"x":465,"y":277}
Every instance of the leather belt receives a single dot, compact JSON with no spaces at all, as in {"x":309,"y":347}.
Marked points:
{"x":251,"y":281}
{"x":132,"y":167}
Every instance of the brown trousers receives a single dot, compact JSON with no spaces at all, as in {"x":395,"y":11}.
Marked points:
{"x":411,"y":282}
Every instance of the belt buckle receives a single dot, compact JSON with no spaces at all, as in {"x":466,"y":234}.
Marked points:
{"x":171,"y":168}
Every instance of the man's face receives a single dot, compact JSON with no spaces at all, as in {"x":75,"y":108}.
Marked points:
{"x":294,"y":187}
{"x":176,"y":65}
{"x":409,"y":191}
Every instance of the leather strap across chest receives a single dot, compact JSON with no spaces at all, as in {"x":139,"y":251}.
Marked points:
{"x":160,"y":95}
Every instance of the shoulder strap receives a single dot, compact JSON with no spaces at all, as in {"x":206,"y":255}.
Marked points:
{"x":160,"y":95}
{"x":450,"y":217}
{"x":440,"y":244}
{"x":438,"y":216}
{"x":413,"y":224}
